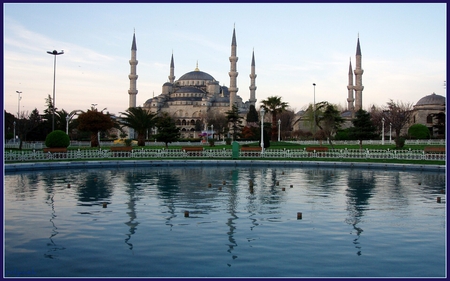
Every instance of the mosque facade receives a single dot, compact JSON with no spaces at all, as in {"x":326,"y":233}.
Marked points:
{"x":195,"y":94}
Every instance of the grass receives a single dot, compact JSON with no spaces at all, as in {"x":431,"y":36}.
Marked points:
{"x":287,"y":145}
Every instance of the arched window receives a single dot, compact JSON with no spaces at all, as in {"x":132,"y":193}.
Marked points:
{"x":430,"y":119}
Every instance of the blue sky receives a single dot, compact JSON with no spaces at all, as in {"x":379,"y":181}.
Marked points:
{"x":296,"y":44}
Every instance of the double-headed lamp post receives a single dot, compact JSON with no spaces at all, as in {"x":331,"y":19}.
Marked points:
{"x":18,"y":104}
{"x":262,"y":129}
{"x":54,"y":53}
{"x":382,"y":132}
{"x":279,"y":125}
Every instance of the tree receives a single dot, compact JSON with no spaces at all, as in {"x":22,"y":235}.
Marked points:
{"x":419,"y":131}
{"x":330,"y":121}
{"x":167,"y":130}
{"x":94,"y":121}
{"x":25,"y":124}
{"x":439,"y":123}
{"x":274,"y":106}
{"x":363,"y":127}
{"x":218,"y":120}
{"x":140,"y":120}
{"x":235,"y":120}
{"x":287,"y":118}
{"x":252,"y":116}
{"x":399,"y":115}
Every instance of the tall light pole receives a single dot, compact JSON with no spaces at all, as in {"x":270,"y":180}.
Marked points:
{"x":279,"y":125}
{"x":382,"y":132}
{"x":14,"y":131}
{"x":54,"y":53}
{"x":314,"y":128}
{"x":18,"y":104}
{"x":262,"y":129}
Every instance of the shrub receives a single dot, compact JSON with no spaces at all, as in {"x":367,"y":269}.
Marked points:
{"x":57,"y":138}
{"x":419,"y":131}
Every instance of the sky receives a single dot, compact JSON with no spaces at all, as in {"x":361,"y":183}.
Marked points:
{"x":403,"y":50}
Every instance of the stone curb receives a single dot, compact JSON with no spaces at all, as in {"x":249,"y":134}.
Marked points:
{"x":17,"y":167}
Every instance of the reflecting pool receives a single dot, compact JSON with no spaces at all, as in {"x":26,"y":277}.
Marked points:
{"x":224,"y":222}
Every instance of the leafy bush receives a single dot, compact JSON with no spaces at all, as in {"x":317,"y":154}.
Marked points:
{"x":419,"y":131}
{"x":57,"y":138}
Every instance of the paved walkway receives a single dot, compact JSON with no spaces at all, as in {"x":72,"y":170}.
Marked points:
{"x":17,"y":167}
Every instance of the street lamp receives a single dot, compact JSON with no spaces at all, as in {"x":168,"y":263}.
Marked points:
{"x":14,"y":131}
{"x":314,"y":128}
{"x":54,"y":53}
{"x":67,"y":124}
{"x":212,"y":129}
{"x":18,"y":104}
{"x":279,"y":125}
{"x":382,"y":132}
{"x":262,"y":129}
{"x":390,"y":132}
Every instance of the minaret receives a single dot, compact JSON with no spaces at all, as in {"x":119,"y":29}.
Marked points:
{"x":350,"y":87}
{"x":172,"y":71}
{"x":133,"y":76}
{"x":252,"y":87}
{"x":233,"y":72}
{"x":358,"y":79}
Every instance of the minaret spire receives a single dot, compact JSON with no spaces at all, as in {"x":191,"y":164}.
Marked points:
{"x":252,"y":87}
{"x":233,"y":71}
{"x":350,"y":98}
{"x":358,"y":78}
{"x":172,"y":70}
{"x":133,"y":74}
{"x":132,"y":92}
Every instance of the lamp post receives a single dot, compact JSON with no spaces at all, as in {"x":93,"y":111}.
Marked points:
{"x":279,"y":125}
{"x":262,"y":129}
{"x":18,"y":104}
{"x":314,"y":128}
{"x":14,"y":131}
{"x":390,"y":132}
{"x":67,"y":124}
{"x":382,"y":132}
{"x":212,"y":131}
{"x":54,"y":53}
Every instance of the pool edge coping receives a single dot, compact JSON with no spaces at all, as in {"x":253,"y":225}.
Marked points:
{"x":17,"y":167}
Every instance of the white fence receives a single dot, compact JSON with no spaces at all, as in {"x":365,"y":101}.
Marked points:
{"x":141,"y":153}
{"x":40,"y":145}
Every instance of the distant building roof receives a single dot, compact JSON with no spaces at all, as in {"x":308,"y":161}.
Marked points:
{"x":432,"y":99}
{"x":196,"y":75}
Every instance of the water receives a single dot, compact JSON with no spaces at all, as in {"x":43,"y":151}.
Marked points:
{"x":355,"y":223}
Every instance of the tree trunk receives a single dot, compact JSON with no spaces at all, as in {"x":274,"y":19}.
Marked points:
{"x":94,"y":139}
{"x":274,"y":126}
{"x":141,"y":139}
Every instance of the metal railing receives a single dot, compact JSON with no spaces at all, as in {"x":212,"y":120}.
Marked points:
{"x":142,"y":153}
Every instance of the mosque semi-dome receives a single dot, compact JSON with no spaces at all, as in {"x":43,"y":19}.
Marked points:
{"x":432,"y":99}
{"x":197,"y":75}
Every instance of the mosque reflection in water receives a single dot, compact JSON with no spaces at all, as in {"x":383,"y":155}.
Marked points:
{"x":138,"y":196}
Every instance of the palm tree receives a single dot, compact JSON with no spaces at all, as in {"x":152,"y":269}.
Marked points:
{"x":274,"y":105}
{"x":140,"y":120}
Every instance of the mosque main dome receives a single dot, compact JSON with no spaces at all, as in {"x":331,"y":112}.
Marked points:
{"x":432,"y":99}
{"x":197,"y":75}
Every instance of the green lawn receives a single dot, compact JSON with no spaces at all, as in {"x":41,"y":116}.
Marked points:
{"x":287,"y":145}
